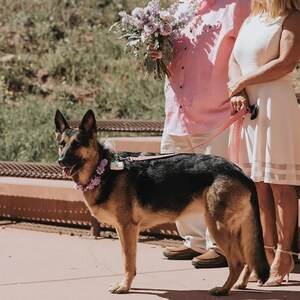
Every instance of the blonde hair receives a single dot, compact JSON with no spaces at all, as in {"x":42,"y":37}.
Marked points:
{"x":275,"y":8}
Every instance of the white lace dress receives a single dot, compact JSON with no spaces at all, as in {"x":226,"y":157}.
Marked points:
{"x":269,"y":146}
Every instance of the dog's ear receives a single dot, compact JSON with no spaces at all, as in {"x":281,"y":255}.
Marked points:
{"x":60,"y":122}
{"x":88,"y":123}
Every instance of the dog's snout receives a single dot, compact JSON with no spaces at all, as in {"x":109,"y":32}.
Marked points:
{"x":61,"y":161}
{"x":67,"y":159}
{"x":64,"y":159}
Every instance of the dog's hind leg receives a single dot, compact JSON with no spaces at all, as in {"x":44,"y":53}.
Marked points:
{"x":231,"y":250}
{"x":244,"y":278}
{"x":128,"y":236}
{"x":223,"y":222}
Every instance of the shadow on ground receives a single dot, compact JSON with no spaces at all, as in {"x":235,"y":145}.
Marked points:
{"x":204,"y":295}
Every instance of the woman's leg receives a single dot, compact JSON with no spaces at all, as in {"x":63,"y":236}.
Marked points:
{"x":286,"y":204}
{"x":267,"y":217}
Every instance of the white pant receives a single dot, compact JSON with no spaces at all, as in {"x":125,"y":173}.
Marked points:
{"x":193,"y":228}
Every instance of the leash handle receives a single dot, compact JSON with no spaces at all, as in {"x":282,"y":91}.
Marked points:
{"x":229,"y":122}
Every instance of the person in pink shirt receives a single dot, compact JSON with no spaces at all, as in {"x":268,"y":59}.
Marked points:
{"x":197,"y":104}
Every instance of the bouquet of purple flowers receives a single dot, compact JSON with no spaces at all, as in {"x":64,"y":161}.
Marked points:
{"x":153,"y":27}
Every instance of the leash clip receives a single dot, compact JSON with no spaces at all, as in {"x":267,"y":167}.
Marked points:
{"x":116,"y":164}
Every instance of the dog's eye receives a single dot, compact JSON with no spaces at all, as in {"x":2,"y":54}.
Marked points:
{"x":75,"y":144}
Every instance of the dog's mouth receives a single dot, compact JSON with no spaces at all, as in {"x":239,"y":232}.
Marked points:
{"x":69,"y":171}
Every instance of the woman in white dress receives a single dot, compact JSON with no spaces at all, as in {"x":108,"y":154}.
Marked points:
{"x":267,"y":148}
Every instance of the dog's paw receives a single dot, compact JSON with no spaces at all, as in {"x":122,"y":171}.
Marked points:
{"x":118,"y":288}
{"x":240,"y":286}
{"x":219,"y":291}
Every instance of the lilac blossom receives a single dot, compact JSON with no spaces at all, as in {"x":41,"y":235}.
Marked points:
{"x":125,"y":18}
{"x":153,"y":7}
{"x":138,"y":17}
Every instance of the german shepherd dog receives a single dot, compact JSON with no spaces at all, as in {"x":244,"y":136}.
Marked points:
{"x":148,"y":192}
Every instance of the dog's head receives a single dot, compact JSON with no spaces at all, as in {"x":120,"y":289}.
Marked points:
{"x":78,"y":147}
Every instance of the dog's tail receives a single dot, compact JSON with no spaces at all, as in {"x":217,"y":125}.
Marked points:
{"x":252,"y":240}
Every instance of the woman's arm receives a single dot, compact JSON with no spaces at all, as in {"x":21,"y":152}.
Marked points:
{"x":240,"y":99}
{"x":234,"y":70}
{"x":286,"y":62}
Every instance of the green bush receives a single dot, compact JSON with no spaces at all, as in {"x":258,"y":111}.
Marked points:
{"x":59,"y":54}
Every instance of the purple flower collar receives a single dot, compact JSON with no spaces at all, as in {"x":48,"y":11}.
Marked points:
{"x":96,"y":180}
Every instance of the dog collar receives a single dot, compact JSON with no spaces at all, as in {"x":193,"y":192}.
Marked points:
{"x":96,"y":180}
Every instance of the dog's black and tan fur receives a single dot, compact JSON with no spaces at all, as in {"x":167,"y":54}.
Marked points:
{"x":151,"y":192}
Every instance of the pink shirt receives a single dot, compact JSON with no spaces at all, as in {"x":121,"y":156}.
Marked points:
{"x":196,"y":93}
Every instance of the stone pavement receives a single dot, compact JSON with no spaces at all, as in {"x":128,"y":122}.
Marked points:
{"x":51,"y":266}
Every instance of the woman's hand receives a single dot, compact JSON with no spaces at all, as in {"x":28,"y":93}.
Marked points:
{"x":239,"y":101}
{"x":235,"y":86}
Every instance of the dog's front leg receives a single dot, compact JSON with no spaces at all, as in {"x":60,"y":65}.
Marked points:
{"x":128,"y":236}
